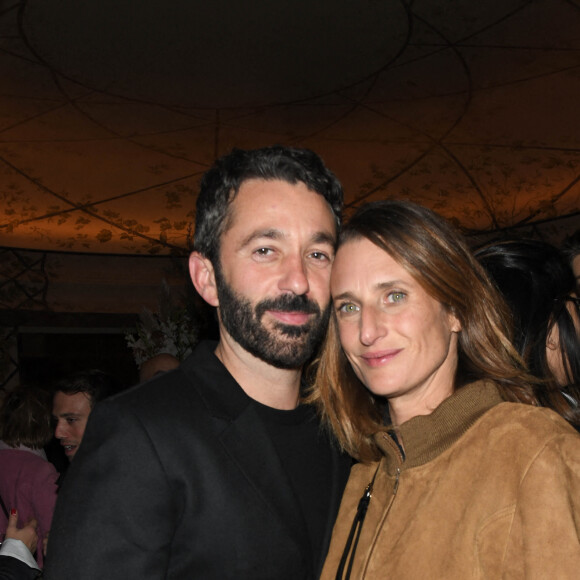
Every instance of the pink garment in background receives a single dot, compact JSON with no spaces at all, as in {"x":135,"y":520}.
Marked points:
{"x":28,"y":483}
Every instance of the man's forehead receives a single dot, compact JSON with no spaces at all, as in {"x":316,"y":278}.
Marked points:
{"x":67,"y":403}
{"x":274,"y":198}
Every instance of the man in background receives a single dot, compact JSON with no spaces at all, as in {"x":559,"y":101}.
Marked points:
{"x":73,"y":402}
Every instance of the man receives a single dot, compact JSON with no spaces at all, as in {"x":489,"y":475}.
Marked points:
{"x":215,"y":470}
{"x":73,"y":401}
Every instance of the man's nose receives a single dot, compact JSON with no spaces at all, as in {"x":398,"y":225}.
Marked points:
{"x":60,"y":430}
{"x":294,"y":276}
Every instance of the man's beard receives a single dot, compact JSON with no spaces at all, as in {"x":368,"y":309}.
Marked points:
{"x":287,"y":346}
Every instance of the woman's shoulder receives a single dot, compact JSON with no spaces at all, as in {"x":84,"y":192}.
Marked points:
{"x":533,"y":416}
{"x":21,"y":456}
{"x":532,"y":426}
{"x":25,"y":461}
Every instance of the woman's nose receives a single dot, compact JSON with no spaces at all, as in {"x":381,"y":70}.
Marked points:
{"x":372,"y":326}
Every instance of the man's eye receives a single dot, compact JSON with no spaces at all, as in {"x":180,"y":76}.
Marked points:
{"x":322,"y":256}
{"x":263,"y":251}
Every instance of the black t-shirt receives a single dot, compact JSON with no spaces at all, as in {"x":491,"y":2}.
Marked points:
{"x":304,"y":451}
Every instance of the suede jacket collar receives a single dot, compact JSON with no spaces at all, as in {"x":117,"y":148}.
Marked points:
{"x":426,"y":436}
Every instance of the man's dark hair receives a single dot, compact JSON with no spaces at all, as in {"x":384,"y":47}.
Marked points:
{"x":97,"y":384}
{"x":221,"y":184}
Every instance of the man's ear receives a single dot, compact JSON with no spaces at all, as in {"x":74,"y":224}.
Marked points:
{"x":203,"y":278}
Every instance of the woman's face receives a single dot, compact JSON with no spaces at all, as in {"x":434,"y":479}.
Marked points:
{"x":554,"y":353}
{"x":401,"y":342}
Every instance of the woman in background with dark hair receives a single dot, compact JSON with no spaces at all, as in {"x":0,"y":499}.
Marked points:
{"x":539,"y":287}
{"x":571,"y":251}
{"x":460,"y":474}
{"x":27,"y":479}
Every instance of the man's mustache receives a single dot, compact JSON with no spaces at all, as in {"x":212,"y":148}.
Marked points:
{"x":288,"y":303}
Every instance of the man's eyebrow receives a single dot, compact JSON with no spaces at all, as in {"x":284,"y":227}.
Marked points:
{"x":270,"y":233}
{"x":324,"y":238}
{"x":276,"y":234}
{"x":65,"y":415}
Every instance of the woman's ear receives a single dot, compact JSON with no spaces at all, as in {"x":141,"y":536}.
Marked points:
{"x":203,"y":278}
{"x":454,"y":323}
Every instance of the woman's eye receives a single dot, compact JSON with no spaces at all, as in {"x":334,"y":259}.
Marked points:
{"x":396,"y":297}
{"x":348,"y":308}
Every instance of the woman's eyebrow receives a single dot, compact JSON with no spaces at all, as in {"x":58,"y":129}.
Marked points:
{"x":378,"y":286}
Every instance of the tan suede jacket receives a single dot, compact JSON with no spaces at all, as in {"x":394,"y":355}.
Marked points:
{"x":487,"y":489}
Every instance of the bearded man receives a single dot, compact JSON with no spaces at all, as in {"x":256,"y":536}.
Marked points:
{"x":216,"y":470}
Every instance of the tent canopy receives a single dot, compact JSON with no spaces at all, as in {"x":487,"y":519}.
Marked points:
{"x":111,"y":110}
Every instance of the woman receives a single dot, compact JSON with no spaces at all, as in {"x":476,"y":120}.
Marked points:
{"x":460,"y":474}
{"x":539,"y":287}
{"x":27,"y":479}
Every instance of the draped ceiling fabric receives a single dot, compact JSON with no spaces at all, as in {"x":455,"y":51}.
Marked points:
{"x":111,"y":110}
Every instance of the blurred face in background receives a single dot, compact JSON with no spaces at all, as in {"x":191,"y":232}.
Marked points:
{"x":156,"y":365}
{"x":70,"y":413}
{"x":576,"y":270}
{"x":554,"y":352}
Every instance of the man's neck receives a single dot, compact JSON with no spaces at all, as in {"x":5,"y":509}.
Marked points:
{"x":269,"y":385}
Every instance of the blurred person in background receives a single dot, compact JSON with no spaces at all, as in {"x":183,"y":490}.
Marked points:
{"x":73,"y":401}
{"x":539,"y":287}
{"x":160,"y":363}
{"x":571,"y":249}
{"x":28,"y":482}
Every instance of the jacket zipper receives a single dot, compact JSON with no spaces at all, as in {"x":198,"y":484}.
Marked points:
{"x":387,"y":508}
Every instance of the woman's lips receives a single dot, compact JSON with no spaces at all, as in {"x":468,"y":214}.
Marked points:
{"x":379,"y":358}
